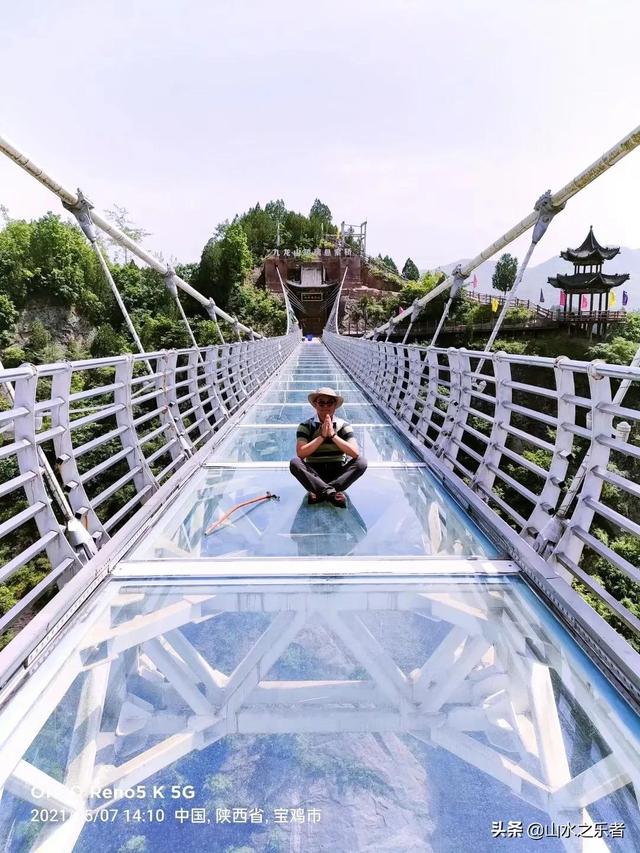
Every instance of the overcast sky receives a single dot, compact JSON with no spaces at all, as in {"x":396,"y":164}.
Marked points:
{"x":438,"y":122}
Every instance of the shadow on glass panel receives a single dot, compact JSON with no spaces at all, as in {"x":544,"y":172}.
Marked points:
{"x":324,"y":531}
{"x":400,"y":512}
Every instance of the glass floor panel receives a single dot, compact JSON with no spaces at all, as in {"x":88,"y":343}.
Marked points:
{"x":316,"y":375}
{"x":297,"y":385}
{"x":398,"y":512}
{"x":288,"y":413}
{"x":278,"y":395}
{"x":246,"y":444}
{"x":324,"y":719}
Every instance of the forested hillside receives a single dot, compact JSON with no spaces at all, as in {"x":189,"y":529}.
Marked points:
{"x":55,"y":304}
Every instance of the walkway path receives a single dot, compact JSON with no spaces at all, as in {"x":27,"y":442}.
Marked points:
{"x":395,"y":512}
{"x":375,"y":678}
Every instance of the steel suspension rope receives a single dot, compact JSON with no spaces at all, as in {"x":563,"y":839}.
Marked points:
{"x":557,"y":201}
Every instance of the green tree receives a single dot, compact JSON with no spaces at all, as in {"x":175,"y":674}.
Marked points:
{"x":260,"y":228}
{"x":617,"y":351}
{"x":39,"y":338}
{"x":319,"y":222}
{"x":142,"y":289}
{"x":276,"y":209}
{"x":377,"y":314}
{"x":410,"y":270}
{"x":355,"y":315}
{"x":107,"y":342}
{"x":50,"y":260}
{"x":16,"y":271}
{"x":505,"y":272}
{"x":388,"y":262}
{"x":260,"y":310}
{"x":224,"y":264}
{"x":8,"y":318}
{"x":63,"y":264}
{"x":320,"y":211}
{"x":163,"y":332}
{"x":296,"y":231}
{"x":628,"y":327}
{"x":363,"y":305}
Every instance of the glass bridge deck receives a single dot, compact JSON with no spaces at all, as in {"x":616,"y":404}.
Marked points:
{"x":396,"y":510}
{"x":203,"y":710}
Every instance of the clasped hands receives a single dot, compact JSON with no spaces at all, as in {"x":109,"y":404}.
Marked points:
{"x":326,"y":430}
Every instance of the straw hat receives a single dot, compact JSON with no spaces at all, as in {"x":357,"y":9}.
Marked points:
{"x":327,"y":392}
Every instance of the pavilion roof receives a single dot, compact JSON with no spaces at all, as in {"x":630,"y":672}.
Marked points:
{"x":590,"y":252}
{"x":587,"y":282}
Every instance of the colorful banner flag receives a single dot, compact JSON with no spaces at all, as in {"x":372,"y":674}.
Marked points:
{"x":474,"y":281}
{"x":625,"y":297}
{"x":584,"y":302}
{"x":541,"y":296}
{"x":612,"y":298}
{"x":563,"y":299}
{"x":494,"y":303}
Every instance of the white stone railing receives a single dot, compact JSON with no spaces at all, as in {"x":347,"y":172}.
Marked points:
{"x":540,"y":440}
{"x":83,"y":445}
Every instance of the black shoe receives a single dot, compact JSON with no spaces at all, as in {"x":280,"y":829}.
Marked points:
{"x":339,"y":500}
{"x":314,"y":499}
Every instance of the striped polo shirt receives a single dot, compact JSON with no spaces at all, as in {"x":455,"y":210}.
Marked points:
{"x":327,"y":452}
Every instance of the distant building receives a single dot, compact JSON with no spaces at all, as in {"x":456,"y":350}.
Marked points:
{"x":313,"y":279}
{"x":579,"y":289}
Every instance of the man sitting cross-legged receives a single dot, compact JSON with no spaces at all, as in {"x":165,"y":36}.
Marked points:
{"x":328,"y":459}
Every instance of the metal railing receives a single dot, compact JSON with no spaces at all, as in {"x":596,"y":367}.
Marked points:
{"x":530,"y":305}
{"x":544,"y":442}
{"x":114,"y":430}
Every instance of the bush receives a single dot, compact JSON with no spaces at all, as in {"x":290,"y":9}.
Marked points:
{"x":617,"y":351}
{"x":13,"y":356}
{"x":108,"y":342}
{"x":37,"y":342}
{"x":519,"y":315}
{"x":163,"y":332}
{"x":517,"y":347}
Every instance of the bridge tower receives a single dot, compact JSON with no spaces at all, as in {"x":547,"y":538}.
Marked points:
{"x":588,"y":281}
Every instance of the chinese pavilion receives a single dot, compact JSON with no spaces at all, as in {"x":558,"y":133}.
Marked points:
{"x":587,"y":282}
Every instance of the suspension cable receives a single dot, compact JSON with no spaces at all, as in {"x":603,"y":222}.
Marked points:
{"x":557,"y":200}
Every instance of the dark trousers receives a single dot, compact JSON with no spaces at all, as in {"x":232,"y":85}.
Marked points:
{"x":326,"y":478}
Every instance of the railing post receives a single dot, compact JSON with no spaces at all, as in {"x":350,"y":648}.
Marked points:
{"x":566,"y":413}
{"x":170,"y":414}
{"x":598,"y":456}
{"x":218,"y":408}
{"x":66,"y":462}
{"x":415,"y":367}
{"x":459,"y":396}
{"x":484,"y":476}
{"x":58,"y":549}
{"x":196,"y":372}
{"x":399,"y":353}
{"x":425,"y":419}
{"x":129,"y":437}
